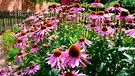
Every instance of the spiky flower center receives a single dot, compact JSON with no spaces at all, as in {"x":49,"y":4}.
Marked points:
{"x":31,"y":67}
{"x":34,"y":45}
{"x":130,"y":21}
{"x":19,"y":73}
{"x":81,"y":38}
{"x":68,"y":74}
{"x":106,"y":11}
{"x":97,"y":1}
{"x":23,"y":33}
{"x":93,"y":12}
{"x":104,"y":28}
{"x":107,"y":21}
{"x":43,"y":26}
{"x":49,"y":24}
{"x":19,"y":53}
{"x":54,"y":5}
{"x":74,"y":50}
{"x":32,"y":30}
{"x":116,"y":5}
{"x":36,"y":28}
{"x":77,"y":5}
{"x":57,"y":52}
{"x":124,"y":13}
{"x":100,"y":13}
{"x":93,"y":25}
{"x":19,"y":39}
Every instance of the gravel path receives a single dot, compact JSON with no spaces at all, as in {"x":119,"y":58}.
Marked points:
{"x":3,"y":55}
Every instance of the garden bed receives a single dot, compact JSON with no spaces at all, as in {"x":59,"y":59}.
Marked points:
{"x":72,"y":42}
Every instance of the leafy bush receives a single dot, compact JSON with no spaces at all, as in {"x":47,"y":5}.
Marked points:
{"x":8,"y":39}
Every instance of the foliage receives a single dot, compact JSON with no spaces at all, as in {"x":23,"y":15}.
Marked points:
{"x":61,"y":29}
{"x":12,"y":53}
{"x":8,"y":39}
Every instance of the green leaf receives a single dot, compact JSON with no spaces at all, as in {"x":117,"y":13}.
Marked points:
{"x":101,"y":66}
{"x":129,"y":58}
{"x":122,"y":72}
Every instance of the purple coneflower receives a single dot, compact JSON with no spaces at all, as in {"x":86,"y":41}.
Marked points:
{"x":32,"y":69}
{"x":81,"y":42}
{"x":9,"y":72}
{"x":108,"y":14}
{"x":19,"y":55}
{"x":130,"y":22}
{"x":74,"y":57}
{"x":97,"y":3}
{"x":21,"y":42}
{"x":41,"y":32}
{"x":30,"y":18}
{"x":35,"y":48}
{"x":100,"y":16}
{"x":71,"y":73}
{"x":115,"y":8}
{"x":56,"y":59}
{"x":2,"y":71}
{"x":104,"y":30}
{"x":55,"y":8}
{"x":130,"y":32}
{"x":77,"y":8}
{"x":19,"y":73}
{"x":92,"y":25}
{"x":124,"y":15}
{"x":92,"y":15}
{"x":108,"y":22}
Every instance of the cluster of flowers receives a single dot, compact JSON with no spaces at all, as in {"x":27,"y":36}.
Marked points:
{"x":37,"y":28}
{"x":30,"y":69}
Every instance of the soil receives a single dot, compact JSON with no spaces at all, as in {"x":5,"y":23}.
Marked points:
{"x":3,"y":55}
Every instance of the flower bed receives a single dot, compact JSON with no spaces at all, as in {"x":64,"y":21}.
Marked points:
{"x":67,"y":41}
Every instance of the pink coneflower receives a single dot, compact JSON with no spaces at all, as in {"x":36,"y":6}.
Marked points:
{"x":39,"y":22}
{"x":124,"y":15}
{"x":92,"y":25}
{"x":100,"y":16}
{"x":21,"y":42}
{"x":44,"y":12}
{"x":9,"y":72}
{"x":19,"y":55}
{"x":30,"y":18}
{"x":19,"y":73}
{"x":130,"y":22}
{"x":2,"y":71}
{"x":41,"y":32}
{"x":77,"y":8}
{"x":56,"y":59}
{"x":130,"y":32}
{"x":71,"y":73}
{"x":71,"y":15}
{"x":92,"y":15}
{"x":74,"y":57}
{"x":32,"y":69}
{"x":116,"y":8}
{"x":97,"y":3}
{"x":55,"y":8}
{"x":81,"y":42}
{"x":108,"y":14}
{"x":108,"y":22}
{"x":50,"y":25}
{"x":35,"y":48}
{"x":104,"y":30}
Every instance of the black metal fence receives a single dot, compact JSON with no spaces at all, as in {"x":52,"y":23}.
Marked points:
{"x":8,"y":19}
